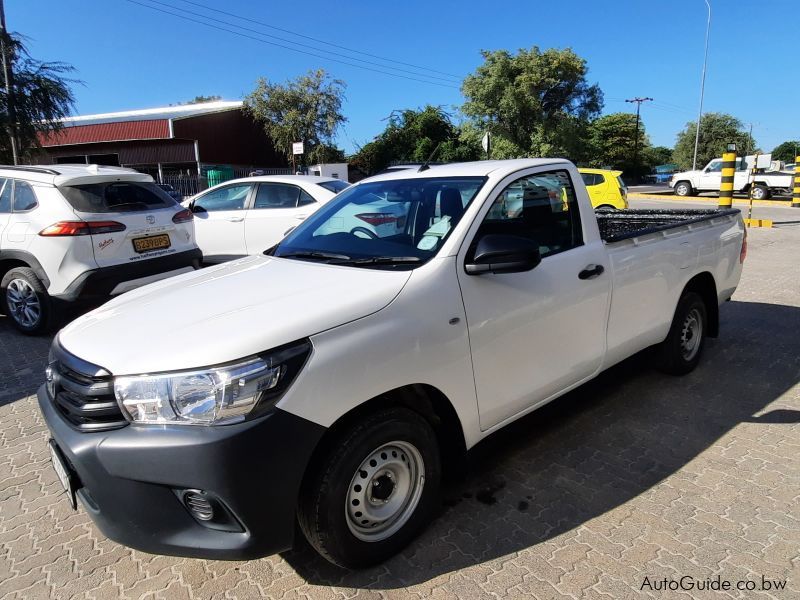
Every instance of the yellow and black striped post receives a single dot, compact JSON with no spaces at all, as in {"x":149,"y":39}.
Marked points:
{"x":796,"y":191}
{"x":726,"y":185}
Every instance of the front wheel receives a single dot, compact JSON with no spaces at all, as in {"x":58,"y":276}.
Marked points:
{"x":680,"y":352}
{"x":374,"y":491}
{"x":760,"y":193}
{"x":683,"y":188}
{"x":26,"y":301}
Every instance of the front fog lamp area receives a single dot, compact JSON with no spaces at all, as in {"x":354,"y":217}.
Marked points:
{"x":217,"y":395}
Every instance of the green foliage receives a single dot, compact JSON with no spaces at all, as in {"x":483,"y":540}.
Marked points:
{"x":717,"y":130}
{"x":611,"y":140}
{"x":412,"y":135}
{"x":535,"y":103}
{"x":658,"y":155}
{"x":41,"y":97}
{"x":203,"y":99}
{"x":787,"y":151}
{"x":307,"y":109}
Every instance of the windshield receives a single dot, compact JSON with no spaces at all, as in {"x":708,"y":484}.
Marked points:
{"x":116,"y":196}
{"x":383,"y":223}
{"x":335,"y":186}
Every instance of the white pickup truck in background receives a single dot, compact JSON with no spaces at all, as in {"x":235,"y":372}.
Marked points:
{"x":763,"y":183}
{"x":332,"y":380}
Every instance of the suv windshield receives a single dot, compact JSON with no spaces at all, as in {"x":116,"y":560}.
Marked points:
{"x":116,"y":196}
{"x":383,"y":223}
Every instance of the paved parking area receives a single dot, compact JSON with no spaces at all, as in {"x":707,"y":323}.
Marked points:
{"x":632,"y":479}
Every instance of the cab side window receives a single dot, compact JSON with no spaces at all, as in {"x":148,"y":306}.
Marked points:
{"x":6,"y":190}
{"x":541,"y":207}
{"x":24,"y":197}
{"x":590,"y":179}
{"x":231,"y":197}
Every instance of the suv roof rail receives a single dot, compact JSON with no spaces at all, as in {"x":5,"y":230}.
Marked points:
{"x":30,"y":169}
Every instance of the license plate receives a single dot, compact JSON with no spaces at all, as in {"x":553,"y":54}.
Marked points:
{"x":150,"y":243}
{"x":63,"y":473}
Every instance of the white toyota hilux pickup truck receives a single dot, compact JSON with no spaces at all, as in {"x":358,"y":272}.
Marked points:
{"x":332,"y":380}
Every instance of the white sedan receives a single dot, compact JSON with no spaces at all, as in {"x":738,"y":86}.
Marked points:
{"x":247,"y":216}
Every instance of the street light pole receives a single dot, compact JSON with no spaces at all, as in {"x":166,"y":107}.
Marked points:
{"x":5,"y":50}
{"x":702,"y":90}
{"x":638,"y":102}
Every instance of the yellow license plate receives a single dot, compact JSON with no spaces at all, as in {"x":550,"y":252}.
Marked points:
{"x":153,"y":242}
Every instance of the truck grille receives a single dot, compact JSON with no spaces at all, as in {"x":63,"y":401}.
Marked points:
{"x":83,"y":393}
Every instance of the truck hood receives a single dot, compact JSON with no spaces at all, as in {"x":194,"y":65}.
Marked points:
{"x":225,"y":313}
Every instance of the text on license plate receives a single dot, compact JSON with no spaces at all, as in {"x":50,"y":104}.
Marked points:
{"x":153,"y":242}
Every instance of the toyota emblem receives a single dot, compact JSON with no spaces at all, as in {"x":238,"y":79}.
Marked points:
{"x":151,"y":219}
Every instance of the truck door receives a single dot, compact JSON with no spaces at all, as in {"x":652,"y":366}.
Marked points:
{"x":711,"y":177}
{"x":536,"y":333}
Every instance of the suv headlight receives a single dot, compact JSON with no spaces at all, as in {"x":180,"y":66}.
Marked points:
{"x":211,"y":396}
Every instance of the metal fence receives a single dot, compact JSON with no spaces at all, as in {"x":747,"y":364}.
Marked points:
{"x":191,"y":184}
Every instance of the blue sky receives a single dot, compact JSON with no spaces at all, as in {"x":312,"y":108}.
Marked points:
{"x":132,"y":57}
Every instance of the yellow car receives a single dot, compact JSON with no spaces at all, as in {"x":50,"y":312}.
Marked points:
{"x":606,"y":188}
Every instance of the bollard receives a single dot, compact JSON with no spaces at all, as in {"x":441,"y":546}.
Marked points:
{"x":726,"y":185}
{"x":796,"y":191}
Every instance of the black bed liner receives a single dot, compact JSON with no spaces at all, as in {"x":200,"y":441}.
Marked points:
{"x":618,"y":225}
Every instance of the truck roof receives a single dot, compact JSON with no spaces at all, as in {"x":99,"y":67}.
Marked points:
{"x":71,"y":174}
{"x":480,"y":168}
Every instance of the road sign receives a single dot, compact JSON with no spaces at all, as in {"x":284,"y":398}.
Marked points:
{"x":297,"y":148}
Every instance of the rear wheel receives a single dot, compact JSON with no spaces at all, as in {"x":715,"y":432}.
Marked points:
{"x":26,"y":301}
{"x":680,"y":352}
{"x":760,"y":192}
{"x":377,"y":488}
{"x":605,"y":207}
{"x":683,"y":188}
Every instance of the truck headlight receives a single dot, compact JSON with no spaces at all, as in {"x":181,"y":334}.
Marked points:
{"x":214,"y":395}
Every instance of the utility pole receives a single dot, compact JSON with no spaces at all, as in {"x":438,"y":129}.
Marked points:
{"x":638,"y":102}
{"x":5,"y":49}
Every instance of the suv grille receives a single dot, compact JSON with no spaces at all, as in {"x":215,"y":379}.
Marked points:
{"x":85,"y":400}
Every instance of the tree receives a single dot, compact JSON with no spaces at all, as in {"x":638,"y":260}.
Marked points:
{"x":787,"y":151}
{"x":307,"y":109}
{"x":535,"y":103}
{"x":717,"y":130}
{"x":611,"y":140}
{"x":658,"y":155}
{"x":412,"y":136}
{"x":41,"y":97}
{"x":203,"y":99}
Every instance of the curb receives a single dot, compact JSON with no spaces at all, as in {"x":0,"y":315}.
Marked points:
{"x":669,"y":198}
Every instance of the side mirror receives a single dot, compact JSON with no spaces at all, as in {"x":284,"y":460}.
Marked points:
{"x":504,"y":254}
{"x":196,"y":208}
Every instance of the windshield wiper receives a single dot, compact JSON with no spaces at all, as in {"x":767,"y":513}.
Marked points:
{"x":385,"y":260}
{"x":318,"y":255}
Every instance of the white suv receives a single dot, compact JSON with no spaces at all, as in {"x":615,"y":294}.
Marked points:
{"x":84,"y":232}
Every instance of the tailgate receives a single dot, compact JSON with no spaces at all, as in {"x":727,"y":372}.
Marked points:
{"x":146,"y":235}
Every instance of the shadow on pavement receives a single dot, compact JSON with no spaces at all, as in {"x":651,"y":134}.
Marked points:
{"x":593,"y":450}
{"x":22,"y":362}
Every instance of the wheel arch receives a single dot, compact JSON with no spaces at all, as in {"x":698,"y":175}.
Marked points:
{"x":424,"y":399}
{"x":10,"y":259}
{"x":704,"y":285}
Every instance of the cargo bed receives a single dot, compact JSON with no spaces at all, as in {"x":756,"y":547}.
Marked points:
{"x":616,"y":225}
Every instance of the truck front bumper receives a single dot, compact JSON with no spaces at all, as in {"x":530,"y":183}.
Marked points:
{"x":132,"y":482}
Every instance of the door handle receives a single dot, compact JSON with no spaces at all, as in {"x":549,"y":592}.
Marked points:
{"x":235,"y":219}
{"x":591,"y":271}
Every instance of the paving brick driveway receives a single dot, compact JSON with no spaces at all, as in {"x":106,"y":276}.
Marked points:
{"x":635,"y":475}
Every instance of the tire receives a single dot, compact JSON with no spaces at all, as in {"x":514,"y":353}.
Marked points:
{"x":25,"y":301}
{"x":680,"y":352}
{"x":683,"y":188}
{"x":605,"y":207}
{"x":388,"y":466}
{"x":760,"y":192}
